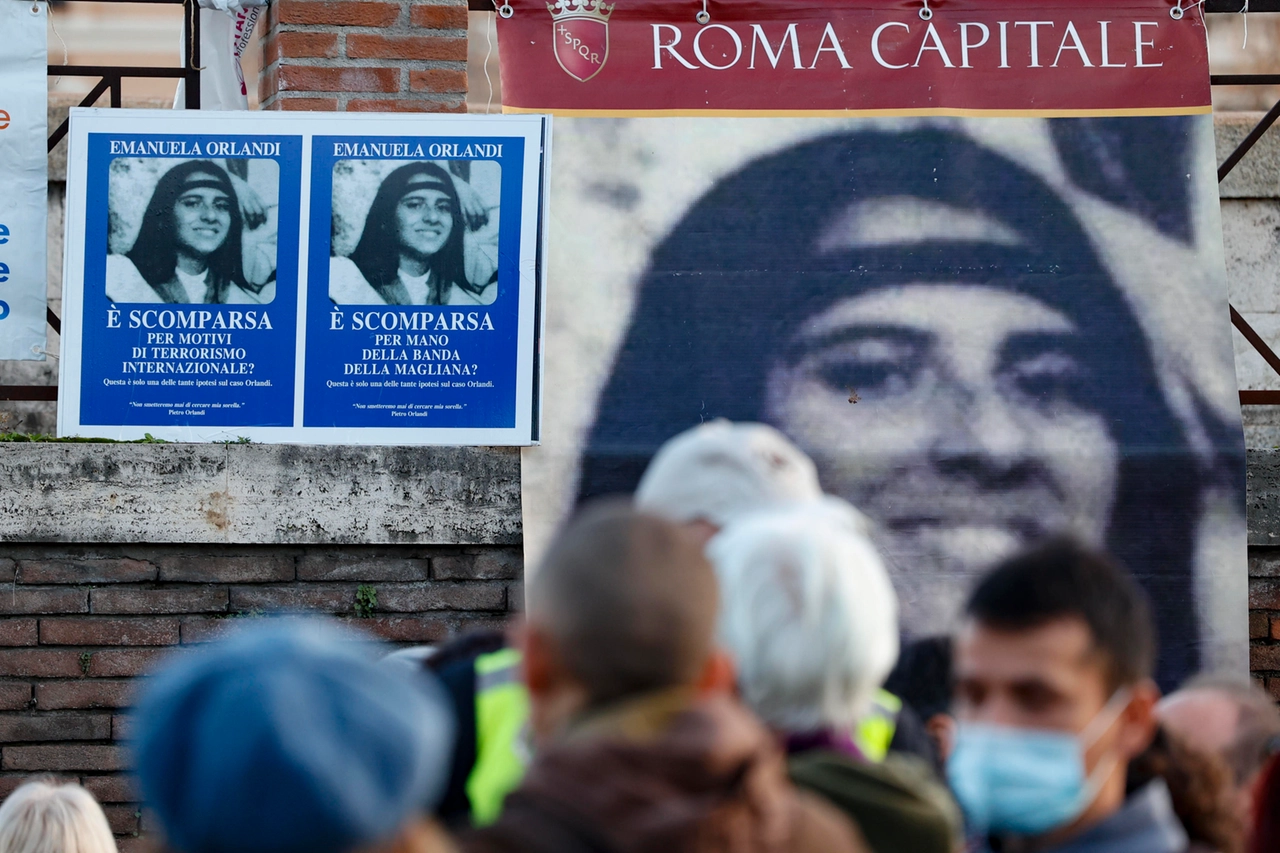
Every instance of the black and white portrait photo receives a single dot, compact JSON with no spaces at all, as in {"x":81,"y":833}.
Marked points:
{"x":414,"y":233}
{"x":979,"y":342}
{"x":192,"y":231}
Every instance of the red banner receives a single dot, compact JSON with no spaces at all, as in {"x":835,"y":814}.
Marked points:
{"x":800,"y":57}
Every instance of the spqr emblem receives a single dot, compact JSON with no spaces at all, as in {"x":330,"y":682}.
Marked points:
{"x":581,"y":36}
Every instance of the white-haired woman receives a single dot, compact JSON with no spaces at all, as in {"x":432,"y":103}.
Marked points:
{"x":45,"y":817}
{"x":811,"y":619}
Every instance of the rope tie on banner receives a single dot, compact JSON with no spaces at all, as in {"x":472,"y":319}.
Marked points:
{"x":53,"y":25}
{"x":488,"y":81}
{"x":925,"y":12}
{"x":703,"y":17}
{"x":1245,"y":11}
{"x":504,"y":11}
{"x":192,"y":9}
{"x":1177,"y":11}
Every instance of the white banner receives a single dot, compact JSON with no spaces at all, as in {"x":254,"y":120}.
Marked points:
{"x":24,"y":179}
{"x":225,"y":31}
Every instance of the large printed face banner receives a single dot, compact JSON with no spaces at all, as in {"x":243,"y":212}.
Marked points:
{"x":971,"y":264}
{"x":304,"y":278}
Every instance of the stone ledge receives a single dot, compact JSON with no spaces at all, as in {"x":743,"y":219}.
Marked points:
{"x":1262,"y":502}
{"x":60,"y":107}
{"x":1258,"y":174}
{"x":259,"y":494}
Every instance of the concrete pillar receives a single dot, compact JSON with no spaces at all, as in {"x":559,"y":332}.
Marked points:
{"x":365,"y":55}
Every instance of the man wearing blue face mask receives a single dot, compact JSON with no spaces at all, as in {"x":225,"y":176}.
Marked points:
{"x":1054,"y":698}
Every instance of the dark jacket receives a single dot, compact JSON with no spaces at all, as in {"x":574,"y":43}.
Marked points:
{"x":455,"y":665}
{"x":663,"y":774}
{"x":898,"y":805}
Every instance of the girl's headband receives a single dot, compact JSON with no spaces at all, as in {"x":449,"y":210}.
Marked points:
{"x":203,"y":179}
{"x":426,"y":181}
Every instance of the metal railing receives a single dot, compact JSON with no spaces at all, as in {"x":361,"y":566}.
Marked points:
{"x":111,"y":77}
{"x":1247,"y":397}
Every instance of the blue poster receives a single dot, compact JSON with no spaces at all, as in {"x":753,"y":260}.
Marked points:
{"x":413,"y":290}
{"x":190,"y":279}
{"x":303,"y":277}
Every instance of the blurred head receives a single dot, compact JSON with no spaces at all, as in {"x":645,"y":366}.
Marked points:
{"x":1057,"y":647}
{"x":706,"y":476}
{"x":288,"y":737}
{"x":1231,"y":718}
{"x":808,"y":615}
{"x":1200,"y":789}
{"x":623,"y":604}
{"x":922,"y":680}
{"x":193,"y":213}
{"x":1266,"y":817}
{"x":412,"y":656}
{"x":44,"y":817}
{"x":415,"y":215}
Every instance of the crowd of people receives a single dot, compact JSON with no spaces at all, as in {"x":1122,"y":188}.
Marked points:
{"x":713,"y":665}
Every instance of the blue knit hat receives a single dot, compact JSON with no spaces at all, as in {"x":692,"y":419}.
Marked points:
{"x":288,"y":736}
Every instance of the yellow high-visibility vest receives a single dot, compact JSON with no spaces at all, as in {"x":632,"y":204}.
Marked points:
{"x":502,"y":722}
{"x":875,"y":730}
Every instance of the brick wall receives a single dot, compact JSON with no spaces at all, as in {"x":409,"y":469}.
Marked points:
{"x":77,"y":624}
{"x":366,"y":55}
{"x":1264,"y":616}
